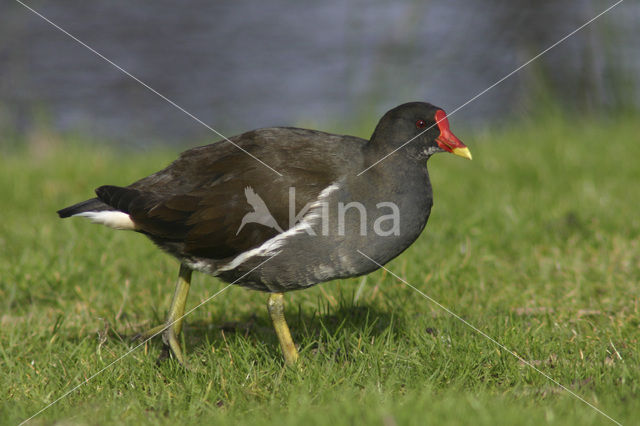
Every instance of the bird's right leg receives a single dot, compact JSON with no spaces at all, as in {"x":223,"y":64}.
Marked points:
{"x":173,"y":325}
{"x":275,"y":305}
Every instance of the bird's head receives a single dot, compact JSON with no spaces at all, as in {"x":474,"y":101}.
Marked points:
{"x":419,"y":129}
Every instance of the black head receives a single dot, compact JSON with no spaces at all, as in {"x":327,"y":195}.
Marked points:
{"x":419,"y":130}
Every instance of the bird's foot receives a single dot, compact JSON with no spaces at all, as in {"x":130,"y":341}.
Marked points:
{"x":170,"y":340}
{"x":153,"y":332}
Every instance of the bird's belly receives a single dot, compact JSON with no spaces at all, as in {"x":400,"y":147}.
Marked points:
{"x":327,"y":251}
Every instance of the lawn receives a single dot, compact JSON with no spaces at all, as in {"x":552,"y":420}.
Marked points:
{"x":535,"y":242}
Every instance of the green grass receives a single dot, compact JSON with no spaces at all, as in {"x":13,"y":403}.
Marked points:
{"x":535,"y":242}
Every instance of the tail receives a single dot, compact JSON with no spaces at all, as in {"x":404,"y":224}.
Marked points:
{"x":92,"y":205}
{"x":111,"y":208}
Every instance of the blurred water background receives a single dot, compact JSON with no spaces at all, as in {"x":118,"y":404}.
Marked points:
{"x":244,"y":64}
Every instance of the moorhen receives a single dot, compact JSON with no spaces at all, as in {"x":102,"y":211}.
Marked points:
{"x":325,"y":207}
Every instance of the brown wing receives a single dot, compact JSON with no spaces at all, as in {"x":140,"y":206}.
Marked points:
{"x":199,"y":200}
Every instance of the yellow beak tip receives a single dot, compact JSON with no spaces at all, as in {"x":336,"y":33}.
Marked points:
{"x":463,"y":152}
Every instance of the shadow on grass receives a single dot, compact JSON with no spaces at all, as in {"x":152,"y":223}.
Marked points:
{"x":323,"y":331}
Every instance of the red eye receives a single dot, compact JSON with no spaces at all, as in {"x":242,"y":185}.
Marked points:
{"x":421,"y":124}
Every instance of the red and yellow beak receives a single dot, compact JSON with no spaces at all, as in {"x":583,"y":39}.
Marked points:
{"x":447,"y":140}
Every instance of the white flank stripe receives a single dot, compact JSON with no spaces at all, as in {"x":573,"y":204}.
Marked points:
{"x":110,"y":218}
{"x":269,"y":247}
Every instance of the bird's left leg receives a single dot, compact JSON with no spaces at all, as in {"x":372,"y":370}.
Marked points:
{"x":173,"y":325}
{"x":176,"y":312}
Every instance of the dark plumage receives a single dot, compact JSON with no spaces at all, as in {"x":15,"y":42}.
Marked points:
{"x":220,"y":211}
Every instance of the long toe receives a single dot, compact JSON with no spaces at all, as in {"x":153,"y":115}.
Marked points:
{"x":170,"y":340}
{"x":153,"y":332}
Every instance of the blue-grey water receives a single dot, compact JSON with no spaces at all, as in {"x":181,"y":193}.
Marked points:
{"x":239,"y":65}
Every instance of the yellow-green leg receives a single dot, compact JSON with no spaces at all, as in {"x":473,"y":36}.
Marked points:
{"x":275,"y":305}
{"x":176,"y":312}
{"x":173,"y":325}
